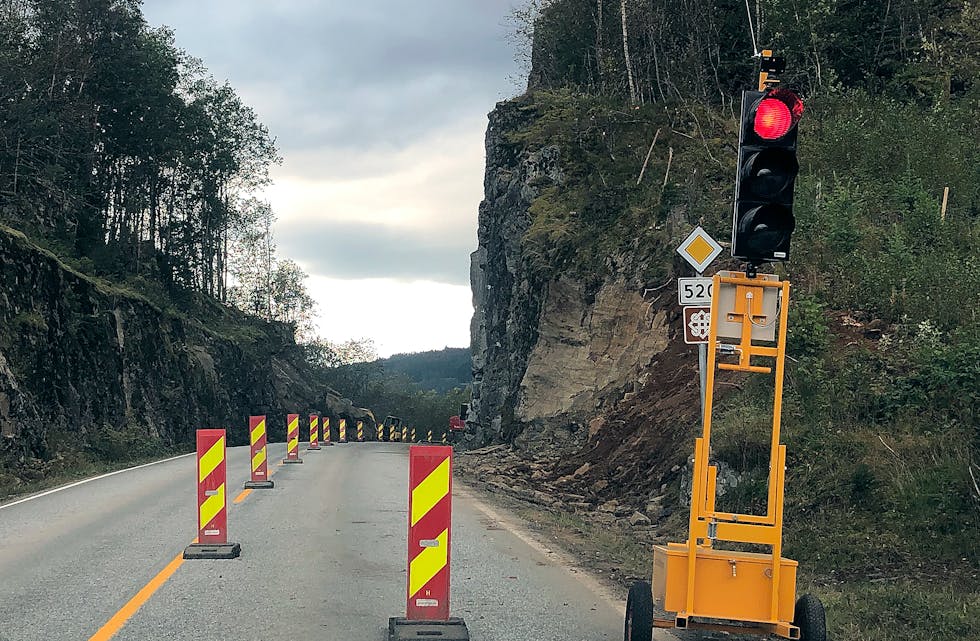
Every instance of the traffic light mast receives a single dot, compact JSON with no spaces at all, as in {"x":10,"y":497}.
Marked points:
{"x":769,"y":64}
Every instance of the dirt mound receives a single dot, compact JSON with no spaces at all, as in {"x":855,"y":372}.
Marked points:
{"x":627,"y":466}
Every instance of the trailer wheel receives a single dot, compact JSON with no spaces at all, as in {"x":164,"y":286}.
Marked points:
{"x":810,"y":618}
{"x":639,"y":613}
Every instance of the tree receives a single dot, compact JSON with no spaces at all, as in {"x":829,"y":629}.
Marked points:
{"x":252,"y":258}
{"x":634,"y":95}
{"x":326,"y":354}
{"x":291,"y":302}
{"x":120,"y":147}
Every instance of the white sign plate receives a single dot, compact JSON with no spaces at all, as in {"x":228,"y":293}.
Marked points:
{"x":699,"y":249}
{"x":763,"y":323}
{"x":694,"y":291}
{"x":697,"y":325}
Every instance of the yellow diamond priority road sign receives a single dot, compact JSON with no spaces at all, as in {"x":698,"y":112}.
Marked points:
{"x":699,"y":249}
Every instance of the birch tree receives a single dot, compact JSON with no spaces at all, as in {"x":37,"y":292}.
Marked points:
{"x":634,"y":94}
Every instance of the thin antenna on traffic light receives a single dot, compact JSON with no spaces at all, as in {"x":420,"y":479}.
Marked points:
{"x":748,"y":14}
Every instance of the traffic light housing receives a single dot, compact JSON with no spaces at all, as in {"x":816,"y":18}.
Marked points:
{"x":767,"y":169}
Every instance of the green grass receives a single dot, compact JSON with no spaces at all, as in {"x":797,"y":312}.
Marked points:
{"x":901,"y":609}
{"x":923,"y":604}
{"x":70,"y":466}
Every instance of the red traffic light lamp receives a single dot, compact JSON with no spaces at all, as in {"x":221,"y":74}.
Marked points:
{"x":776,"y":113}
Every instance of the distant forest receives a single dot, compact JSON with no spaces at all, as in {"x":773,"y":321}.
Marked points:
{"x":439,"y":370}
{"x":424,"y":388}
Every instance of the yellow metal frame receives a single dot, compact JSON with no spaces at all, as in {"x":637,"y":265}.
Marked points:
{"x":707,"y":524}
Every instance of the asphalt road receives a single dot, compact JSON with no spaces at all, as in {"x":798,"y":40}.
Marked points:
{"x":323,"y":557}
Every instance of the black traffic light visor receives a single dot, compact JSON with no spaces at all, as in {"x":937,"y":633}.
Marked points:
{"x":766,"y":229}
{"x":768,"y":173}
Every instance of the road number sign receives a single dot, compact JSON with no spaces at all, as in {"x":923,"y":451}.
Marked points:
{"x":697,"y":325}
{"x":694,"y":291}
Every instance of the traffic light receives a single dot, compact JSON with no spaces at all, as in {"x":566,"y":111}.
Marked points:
{"x":767,"y":169}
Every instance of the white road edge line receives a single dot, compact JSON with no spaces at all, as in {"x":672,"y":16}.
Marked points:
{"x":89,"y":480}
{"x":564,"y":558}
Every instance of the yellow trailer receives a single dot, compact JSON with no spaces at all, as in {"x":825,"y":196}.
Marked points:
{"x":699,"y":583}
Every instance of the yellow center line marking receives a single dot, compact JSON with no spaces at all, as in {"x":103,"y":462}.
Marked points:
{"x":120,"y":618}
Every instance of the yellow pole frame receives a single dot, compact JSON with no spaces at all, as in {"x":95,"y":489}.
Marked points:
{"x":706,"y":524}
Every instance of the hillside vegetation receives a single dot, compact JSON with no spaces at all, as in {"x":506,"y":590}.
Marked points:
{"x":883,"y":384}
{"x":122,"y":154}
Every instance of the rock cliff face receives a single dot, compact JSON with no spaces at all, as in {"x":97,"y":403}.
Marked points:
{"x":553,"y":359}
{"x":507,"y":305}
{"x":87,"y":368}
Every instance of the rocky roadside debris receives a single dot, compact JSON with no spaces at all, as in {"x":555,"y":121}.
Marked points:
{"x":530,"y":484}
{"x":532,"y":478}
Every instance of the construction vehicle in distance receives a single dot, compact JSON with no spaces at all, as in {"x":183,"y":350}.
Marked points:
{"x":457,"y":424}
{"x":391,"y":429}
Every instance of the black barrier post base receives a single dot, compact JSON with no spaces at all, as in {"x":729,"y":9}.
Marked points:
{"x":212,"y":551}
{"x":259,"y":485}
{"x":312,"y":448}
{"x":291,"y":461}
{"x":453,"y":629}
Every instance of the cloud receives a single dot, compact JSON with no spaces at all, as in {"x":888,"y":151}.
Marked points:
{"x":353,"y":250}
{"x":413,"y":210}
{"x":455,"y":148}
{"x":379,"y":109}
{"x":365,"y":74}
{"x":408,"y":317}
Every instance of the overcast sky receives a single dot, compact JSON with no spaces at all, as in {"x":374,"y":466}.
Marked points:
{"x":379,"y":108}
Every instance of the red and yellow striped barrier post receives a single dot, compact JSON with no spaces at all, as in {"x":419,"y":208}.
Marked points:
{"x":429,"y":438}
{"x":212,"y":503}
{"x":292,"y":439}
{"x":259,"y":455}
{"x":404,"y":433}
{"x":430,"y":515}
{"x":380,"y":427}
{"x":314,"y":432}
{"x":326,"y":431}
{"x":360,"y":431}
{"x":430,"y":510}
{"x":343,"y":430}
{"x":413,"y":434}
